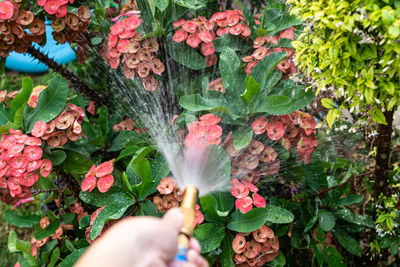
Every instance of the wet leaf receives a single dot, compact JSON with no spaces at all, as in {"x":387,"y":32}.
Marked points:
{"x":277,"y":214}
{"x":247,"y":222}
{"x":185,"y":55}
{"x":210,"y":236}
{"x":242,"y":137}
{"x":21,"y":220}
{"x":326,"y":220}
{"x":349,"y":243}
{"x":349,"y":200}
{"x":70,"y":260}
{"x":49,"y":230}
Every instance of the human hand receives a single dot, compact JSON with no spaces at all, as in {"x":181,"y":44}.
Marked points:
{"x":142,"y":241}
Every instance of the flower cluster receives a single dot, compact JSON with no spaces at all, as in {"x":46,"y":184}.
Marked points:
{"x":217,"y":85}
{"x":241,"y":190}
{"x":78,"y":210}
{"x":232,"y":22}
{"x":55,"y":7}
{"x":253,"y":161}
{"x":262,"y":246}
{"x":54,"y":131}
{"x":70,"y":26}
{"x":170,"y":197}
{"x":138,"y":55}
{"x":195,"y":32}
{"x":100,"y":176}
{"x":200,"y":31}
{"x":204,"y":132}
{"x":20,"y":161}
{"x":13,"y":25}
{"x":125,"y":125}
{"x":295,"y":129}
{"x":262,"y":45}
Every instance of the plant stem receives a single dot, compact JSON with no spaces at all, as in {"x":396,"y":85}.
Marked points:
{"x":325,"y":190}
{"x":76,"y":82}
{"x":383,"y":143}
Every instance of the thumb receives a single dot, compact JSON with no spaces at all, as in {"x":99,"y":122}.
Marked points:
{"x":174,"y":217}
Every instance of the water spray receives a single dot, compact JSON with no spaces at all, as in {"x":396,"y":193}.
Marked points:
{"x":188,"y":204}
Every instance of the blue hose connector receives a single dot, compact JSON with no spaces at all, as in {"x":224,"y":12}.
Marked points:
{"x":181,"y":255}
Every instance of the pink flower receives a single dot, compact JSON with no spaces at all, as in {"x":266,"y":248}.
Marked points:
{"x":39,"y":129}
{"x":45,"y":168}
{"x":250,"y":186}
{"x":205,"y":36}
{"x":268,"y":154}
{"x":166,"y":186}
{"x":29,"y":178}
{"x":245,"y":30}
{"x":244,"y":204}
{"x":275,"y":130}
{"x":62,"y":11}
{"x":238,"y":189}
{"x":193,"y":40}
{"x":239,"y":243}
{"x":199,"y":217}
{"x":222,"y":31}
{"x":210,"y":119}
{"x":91,"y":108}
{"x":252,"y":250}
{"x":262,"y":234}
{"x":18,"y":162}
{"x":259,"y":125}
{"x":104,"y":168}
{"x":51,"y":6}
{"x":232,"y":19}
{"x":189,"y":26}
{"x":178,"y":23}
{"x":104,"y":183}
{"x":207,"y":49}
{"x":89,"y":183}
{"x":32,"y":141}
{"x":235,"y":30}
{"x":33,"y":165}
{"x":33,"y":152}
{"x":258,"y":200}
{"x":288,"y":33}
{"x":6,"y":9}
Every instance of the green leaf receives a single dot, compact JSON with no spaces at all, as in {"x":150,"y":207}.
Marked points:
{"x":161,"y":4}
{"x":56,"y":157}
{"x":315,"y":176}
{"x":348,"y":200}
{"x":326,"y":220}
{"x":192,"y":4}
{"x":378,"y":116}
{"x":242,"y":137}
{"x":54,"y":257}
{"x":76,"y":163}
{"x":310,"y":223}
{"x":72,"y":258}
{"x":252,"y":88}
{"x":84,"y":222}
{"x":328,"y":103}
{"x":14,"y":244}
{"x":49,"y":230}
{"x":277,"y":214}
{"x":331,"y":116}
{"x":96,"y":40}
{"x":394,"y":249}
{"x":210,"y":236}
{"x":20,"y":220}
{"x":216,"y":206}
{"x":129,"y":151}
{"x":51,"y":102}
{"x":232,"y":75}
{"x":112,"y":211}
{"x":142,"y":168}
{"x":20,"y":100}
{"x":227,"y":251}
{"x":275,"y":104}
{"x":123,"y":139}
{"x":113,"y":195}
{"x":5,"y":116}
{"x":147,"y":208}
{"x":264,"y":68}
{"x":230,"y":41}
{"x":349,"y":216}
{"x":198,"y":103}
{"x":247,"y":222}
{"x":279,"y":261}
{"x":349,"y":243}
{"x":185,"y":55}
{"x":103,"y":121}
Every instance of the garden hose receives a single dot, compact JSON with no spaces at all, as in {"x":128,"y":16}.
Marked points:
{"x":188,"y":204}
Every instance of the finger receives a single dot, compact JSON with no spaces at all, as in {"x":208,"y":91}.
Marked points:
{"x":203,"y":262}
{"x":195,"y":258}
{"x":195,"y":245}
{"x":174,"y":217}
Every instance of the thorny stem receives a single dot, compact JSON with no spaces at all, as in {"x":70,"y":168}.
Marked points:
{"x":383,"y":143}
{"x":49,"y":190}
{"x":76,"y":82}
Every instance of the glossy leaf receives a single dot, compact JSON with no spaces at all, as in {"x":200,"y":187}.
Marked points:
{"x":192,"y":4}
{"x":349,"y":243}
{"x":21,"y":220}
{"x":242,"y":137}
{"x":209,"y":235}
{"x":277,"y":214}
{"x":51,"y":102}
{"x":56,"y":157}
{"x":76,"y":163}
{"x":20,"y":100}
{"x":349,"y":200}
{"x":326,"y":221}
{"x":123,"y":139}
{"x":252,"y":88}
{"x":185,"y":55}
{"x":113,"y":195}
{"x":247,"y":222}
{"x":5,"y":115}
{"x":70,"y":260}
{"x":264,"y":68}
{"x":49,"y":230}
{"x":161,"y":4}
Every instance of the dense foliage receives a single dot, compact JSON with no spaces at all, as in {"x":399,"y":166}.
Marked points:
{"x":79,"y":144}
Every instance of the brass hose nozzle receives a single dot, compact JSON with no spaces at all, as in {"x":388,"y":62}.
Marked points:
{"x":188,"y":204}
